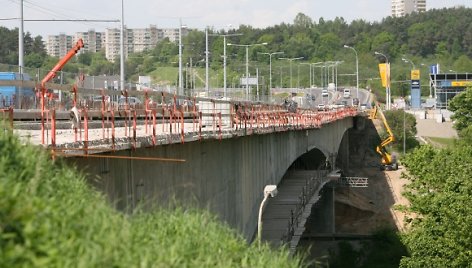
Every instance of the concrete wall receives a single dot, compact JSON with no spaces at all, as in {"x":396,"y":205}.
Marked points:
{"x":226,"y":176}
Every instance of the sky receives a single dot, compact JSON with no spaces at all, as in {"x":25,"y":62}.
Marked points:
{"x":219,"y":14}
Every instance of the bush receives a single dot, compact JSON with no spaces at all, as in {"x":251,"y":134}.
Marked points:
{"x":50,"y":217}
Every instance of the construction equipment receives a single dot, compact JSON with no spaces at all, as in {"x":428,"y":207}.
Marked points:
{"x":58,"y":67}
{"x":389,"y":162}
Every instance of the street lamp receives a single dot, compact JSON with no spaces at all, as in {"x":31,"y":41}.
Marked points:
{"x":269,"y":191}
{"x":388,"y":78}
{"x":224,"y":57}
{"x":357,"y":70}
{"x":180,"y":56}
{"x":247,"y":61}
{"x":290,"y":60}
{"x":409,"y":61}
{"x":270,"y":67}
{"x":404,"y":116}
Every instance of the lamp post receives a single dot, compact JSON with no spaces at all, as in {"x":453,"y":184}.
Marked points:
{"x":357,"y":70}
{"x":388,"y":78}
{"x":270,"y":67}
{"x":247,"y":61}
{"x":122,"y":48}
{"x":409,"y":61}
{"x":269,"y":191}
{"x":207,"y":87}
{"x":224,"y":56}
{"x":180,"y":57}
{"x":290,"y":60}
{"x":404,"y":111}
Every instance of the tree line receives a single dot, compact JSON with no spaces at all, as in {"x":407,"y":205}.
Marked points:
{"x":441,"y":36}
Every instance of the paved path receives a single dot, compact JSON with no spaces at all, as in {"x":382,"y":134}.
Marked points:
{"x":430,"y":128}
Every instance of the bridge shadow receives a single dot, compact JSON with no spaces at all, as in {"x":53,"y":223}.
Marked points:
{"x":346,"y":216}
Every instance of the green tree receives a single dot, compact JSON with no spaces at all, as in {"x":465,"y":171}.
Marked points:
{"x":85,"y":58}
{"x":302,"y":21}
{"x":395,"y":120}
{"x":329,"y":44}
{"x":461,"y":105}
{"x":463,"y":64}
{"x":384,"y":42}
{"x":439,"y":192}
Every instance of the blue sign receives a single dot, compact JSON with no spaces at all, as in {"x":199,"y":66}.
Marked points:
{"x":415,"y":94}
{"x":434,"y":69}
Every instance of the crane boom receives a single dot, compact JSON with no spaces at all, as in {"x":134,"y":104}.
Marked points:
{"x":62,"y":62}
{"x":51,"y":75}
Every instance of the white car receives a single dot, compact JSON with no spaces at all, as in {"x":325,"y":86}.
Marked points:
{"x":321,"y":107}
{"x":347,"y":93}
{"x":324,"y":93}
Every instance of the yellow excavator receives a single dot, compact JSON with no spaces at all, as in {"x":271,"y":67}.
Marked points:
{"x":389,"y":162}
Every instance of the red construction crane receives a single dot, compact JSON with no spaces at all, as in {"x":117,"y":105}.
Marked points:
{"x":52,"y":74}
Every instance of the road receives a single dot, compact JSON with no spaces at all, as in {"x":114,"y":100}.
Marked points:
{"x":334,"y":97}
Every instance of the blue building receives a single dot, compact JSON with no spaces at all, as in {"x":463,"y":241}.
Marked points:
{"x":9,"y":94}
{"x":448,"y":85}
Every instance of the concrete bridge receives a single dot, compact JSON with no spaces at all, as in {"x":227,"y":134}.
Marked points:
{"x":165,"y":155}
{"x":226,"y":176}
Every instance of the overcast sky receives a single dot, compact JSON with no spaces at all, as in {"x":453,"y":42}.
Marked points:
{"x":194,"y":14}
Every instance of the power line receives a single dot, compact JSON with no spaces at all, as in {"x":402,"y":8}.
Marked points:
{"x":75,"y":20}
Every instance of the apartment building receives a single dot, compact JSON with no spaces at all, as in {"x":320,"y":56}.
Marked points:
{"x":93,"y":41}
{"x":138,"y":40}
{"x":135,"y":40}
{"x":58,"y":45}
{"x":401,"y":8}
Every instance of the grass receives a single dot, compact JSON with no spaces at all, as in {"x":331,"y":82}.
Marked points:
{"x":50,"y":217}
{"x":169,"y":75}
{"x":441,"y":142}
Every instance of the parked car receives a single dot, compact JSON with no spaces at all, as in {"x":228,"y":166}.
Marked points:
{"x":324,"y":93}
{"x":321,"y":107}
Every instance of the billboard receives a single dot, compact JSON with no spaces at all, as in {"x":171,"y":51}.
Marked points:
{"x":251,"y":81}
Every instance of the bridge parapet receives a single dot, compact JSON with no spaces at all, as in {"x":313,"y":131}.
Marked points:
{"x":107,"y":126}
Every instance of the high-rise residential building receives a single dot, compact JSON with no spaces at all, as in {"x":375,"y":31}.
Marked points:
{"x":138,"y":40}
{"x":145,"y":38}
{"x":58,"y":45}
{"x":93,"y":41}
{"x":401,"y":8}
{"x":135,"y":40}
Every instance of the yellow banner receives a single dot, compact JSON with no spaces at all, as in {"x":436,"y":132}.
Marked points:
{"x":461,"y":83}
{"x":384,"y":70}
{"x":415,"y":74}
